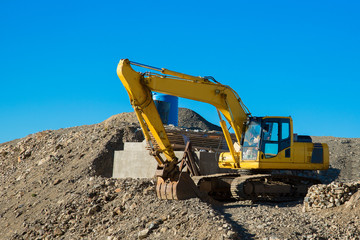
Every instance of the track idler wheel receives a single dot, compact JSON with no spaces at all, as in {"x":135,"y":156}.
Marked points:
{"x":183,"y":188}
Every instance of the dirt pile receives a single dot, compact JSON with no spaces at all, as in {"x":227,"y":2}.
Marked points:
{"x":56,"y":184}
{"x":289,"y":221}
{"x":187,"y":119}
{"x":99,"y":208}
{"x":331,"y":195}
{"x":191,"y":120}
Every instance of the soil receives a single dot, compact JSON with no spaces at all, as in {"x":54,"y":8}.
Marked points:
{"x":57,"y":184}
{"x":191,"y":120}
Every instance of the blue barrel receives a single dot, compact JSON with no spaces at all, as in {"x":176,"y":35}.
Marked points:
{"x":167,"y":107}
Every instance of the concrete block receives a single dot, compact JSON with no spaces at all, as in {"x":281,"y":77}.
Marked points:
{"x":133,"y":164}
{"x":136,"y":162}
{"x":134,"y":146}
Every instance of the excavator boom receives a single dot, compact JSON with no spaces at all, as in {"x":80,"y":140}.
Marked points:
{"x":172,"y":183}
{"x":139,"y":87}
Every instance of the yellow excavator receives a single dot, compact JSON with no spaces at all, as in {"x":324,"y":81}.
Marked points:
{"x":263,"y":144}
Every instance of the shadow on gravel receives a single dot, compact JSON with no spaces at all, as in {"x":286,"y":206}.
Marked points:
{"x":270,"y":204}
{"x":325,"y":177}
{"x":242,"y":233}
{"x":104,"y":162}
{"x":329,"y":175}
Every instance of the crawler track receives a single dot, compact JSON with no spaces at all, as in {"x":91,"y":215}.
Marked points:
{"x":216,"y":186}
{"x":257,"y":187}
{"x":267,"y":187}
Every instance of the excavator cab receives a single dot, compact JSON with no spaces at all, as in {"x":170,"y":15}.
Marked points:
{"x":276,"y":137}
{"x":269,"y":143}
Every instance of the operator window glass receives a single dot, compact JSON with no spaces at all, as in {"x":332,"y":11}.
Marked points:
{"x":285,"y":130}
{"x":271,"y":149}
{"x":274,"y":133}
{"x":271,"y":139}
{"x":252,"y":135}
{"x":251,"y":141}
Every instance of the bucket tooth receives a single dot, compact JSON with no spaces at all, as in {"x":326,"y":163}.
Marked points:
{"x":160,"y":182}
{"x":183,"y":188}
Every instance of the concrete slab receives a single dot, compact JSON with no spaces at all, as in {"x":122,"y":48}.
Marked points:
{"x":136,"y":162}
{"x":134,"y":146}
{"x":133,"y":164}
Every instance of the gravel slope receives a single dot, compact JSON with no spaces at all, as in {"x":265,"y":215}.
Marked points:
{"x":56,"y":185}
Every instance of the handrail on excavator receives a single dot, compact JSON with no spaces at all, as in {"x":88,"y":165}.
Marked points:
{"x":145,"y":66}
{"x":169,"y":72}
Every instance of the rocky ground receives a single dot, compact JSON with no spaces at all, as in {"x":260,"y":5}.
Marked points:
{"x":57,"y":185}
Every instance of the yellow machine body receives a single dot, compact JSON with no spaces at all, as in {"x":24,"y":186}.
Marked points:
{"x":261,"y":142}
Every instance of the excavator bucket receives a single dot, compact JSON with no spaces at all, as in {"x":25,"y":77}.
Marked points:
{"x":183,"y":188}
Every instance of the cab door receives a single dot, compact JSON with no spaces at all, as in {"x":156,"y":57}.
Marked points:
{"x":276,"y":139}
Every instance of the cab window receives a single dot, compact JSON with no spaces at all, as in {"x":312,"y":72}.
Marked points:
{"x":251,"y":141}
{"x":285,"y":130}
{"x":276,"y":136}
{"x":271,"y":139}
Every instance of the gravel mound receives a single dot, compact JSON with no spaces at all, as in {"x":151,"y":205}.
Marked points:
{"x":328,"y":196}
{"x":188,"y":119}
{"x":56,"y":184}
{"x":191,"y":120}
{"x":99,"y":208}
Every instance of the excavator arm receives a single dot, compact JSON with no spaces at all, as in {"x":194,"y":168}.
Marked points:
{"x":139,"y":87}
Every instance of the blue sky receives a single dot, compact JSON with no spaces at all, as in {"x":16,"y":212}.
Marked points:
{"x":300,"y":58}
